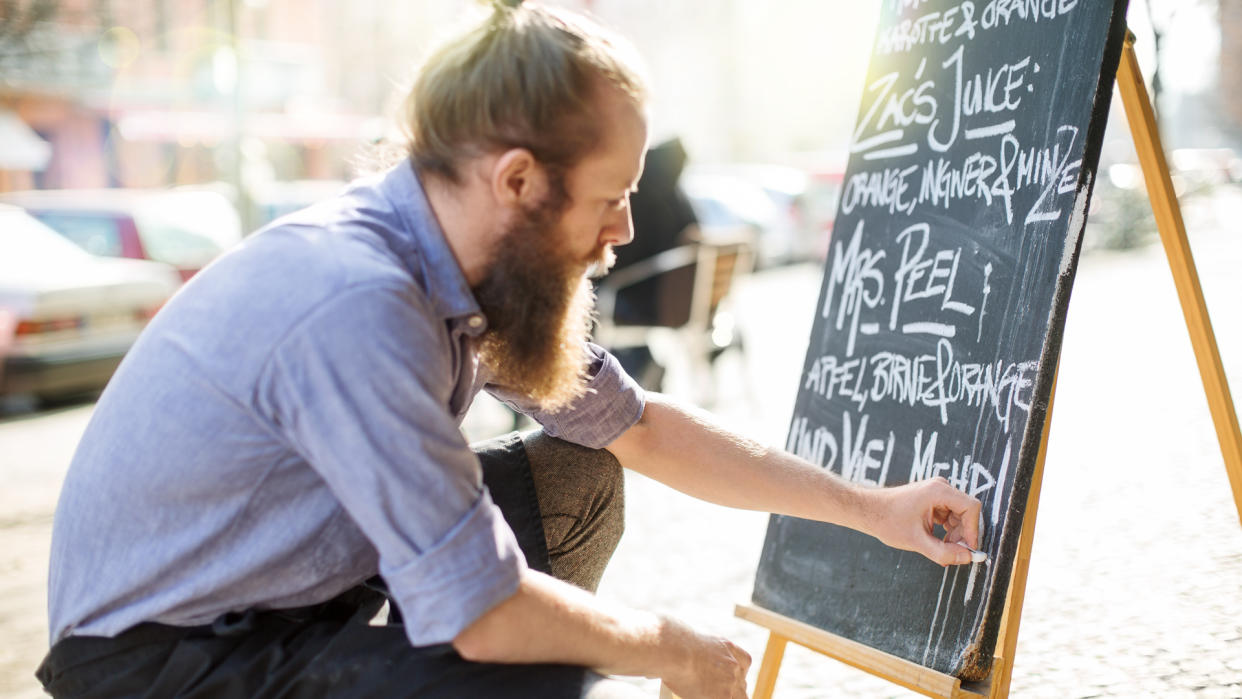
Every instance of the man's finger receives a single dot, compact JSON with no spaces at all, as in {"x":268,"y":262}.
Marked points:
{"x":969,"y":526}
{"x":743,"y":659}
{"x":965,"y":509}
{"x":947,"y":554}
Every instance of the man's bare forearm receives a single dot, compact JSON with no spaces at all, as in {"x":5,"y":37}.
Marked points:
{"x":684,"y":449}
{"x":549,"y":621}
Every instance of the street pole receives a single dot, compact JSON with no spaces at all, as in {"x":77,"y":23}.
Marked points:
{"x":245,"y":208}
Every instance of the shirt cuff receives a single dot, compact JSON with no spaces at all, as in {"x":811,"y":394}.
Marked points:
{"x":473,"y":568}
{"x":612,"y":404}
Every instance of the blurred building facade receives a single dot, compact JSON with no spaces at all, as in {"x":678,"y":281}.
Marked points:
{"x":138,"y":93}
{"x":157,"y":92}
{"x":148,"y":92}
{"x":1231,"y":68}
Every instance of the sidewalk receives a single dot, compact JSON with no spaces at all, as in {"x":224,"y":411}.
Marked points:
{"x":34,"y":453}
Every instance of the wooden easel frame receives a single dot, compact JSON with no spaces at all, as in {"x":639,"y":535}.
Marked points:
{"x":1172,"y":229}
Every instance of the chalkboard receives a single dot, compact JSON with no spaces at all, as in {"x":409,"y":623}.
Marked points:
{"x":939,"y":322}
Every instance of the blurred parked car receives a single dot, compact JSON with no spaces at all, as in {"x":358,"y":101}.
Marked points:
{"x":186,"y":229}
{"x":823,"y":193}
{"x":728,"y":205}
{"x":790,"y":209}
{"x":276,"y":199}
{"x":66,"y":316}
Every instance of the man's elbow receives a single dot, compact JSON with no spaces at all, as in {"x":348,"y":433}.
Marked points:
{"x":490,"y":638}
{"x":636,"y":441}
{"x":475,"y":645}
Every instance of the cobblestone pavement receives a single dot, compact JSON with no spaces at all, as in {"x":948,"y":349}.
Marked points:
{"x":34,"y":452}
{"x":1135,"y":588}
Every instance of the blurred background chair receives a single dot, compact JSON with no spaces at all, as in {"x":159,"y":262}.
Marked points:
{"x":692,"y":316}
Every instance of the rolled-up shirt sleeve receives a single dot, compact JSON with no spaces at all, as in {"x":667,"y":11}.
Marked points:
{"x":361,"y":389}
{"x":612,"y":404}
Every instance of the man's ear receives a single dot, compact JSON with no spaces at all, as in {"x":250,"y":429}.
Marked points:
{"x":517,"y":179}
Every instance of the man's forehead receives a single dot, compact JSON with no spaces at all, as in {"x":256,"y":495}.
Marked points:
{"x":624,"y":149}
{"x":608,"y":171}
{"x":627,"y":177}
{"x":621,"y":174}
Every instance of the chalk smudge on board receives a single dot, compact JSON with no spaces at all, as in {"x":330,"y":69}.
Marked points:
{"x":1078,"y":219}
{"x":939,"y":600}
{"x":970,"y":580}
{"x":945,"y":622}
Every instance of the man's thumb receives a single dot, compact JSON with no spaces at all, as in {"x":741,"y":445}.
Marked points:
{"x":947,"y":554}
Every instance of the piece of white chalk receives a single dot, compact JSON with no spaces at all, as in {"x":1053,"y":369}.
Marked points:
{"x":975,"y":556}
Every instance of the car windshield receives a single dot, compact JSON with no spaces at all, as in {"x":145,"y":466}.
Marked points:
{"x":725,"y":200}
{"x":98,"y":234}
{"x":24,"y":241}
{"x":187,"y":229}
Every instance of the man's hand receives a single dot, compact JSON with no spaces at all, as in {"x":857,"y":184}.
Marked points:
{"x":701,"y":665}
{"x":906,"y":515}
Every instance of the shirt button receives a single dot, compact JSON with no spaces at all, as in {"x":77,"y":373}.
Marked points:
{"x":475,"y":321}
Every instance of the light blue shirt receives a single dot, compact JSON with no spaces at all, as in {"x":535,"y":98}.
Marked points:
{"x":288,"y":426}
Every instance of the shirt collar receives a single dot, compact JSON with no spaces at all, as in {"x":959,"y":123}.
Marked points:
{"x":427,"y":250}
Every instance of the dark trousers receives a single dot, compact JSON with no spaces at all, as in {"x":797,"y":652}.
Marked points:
{"x":565,"y":505}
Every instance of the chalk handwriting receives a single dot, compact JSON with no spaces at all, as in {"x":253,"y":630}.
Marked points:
{"x":931,"y":28}
{"x":864,"y":456}
{"x":867,"y":458}
{"x":964,"y":20}
{"x":922,"y":276}
{"x":818,"y":446}
{"x":863,"y":461}
{"x":888,"y":189}
{"x":929,"y":277}
{"x":938,"y":381}
{"x":1049,"y":172}
{"x":1062,"y":180}
{"x":964,"y":473}
{"x":940,"y":106}
{"x":983,"y":307}
{"x":854,"y":270}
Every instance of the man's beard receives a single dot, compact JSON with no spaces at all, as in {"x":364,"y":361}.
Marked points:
{"x":540,"y":308}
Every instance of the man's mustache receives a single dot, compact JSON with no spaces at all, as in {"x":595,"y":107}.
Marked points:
{"x":601,"y":261}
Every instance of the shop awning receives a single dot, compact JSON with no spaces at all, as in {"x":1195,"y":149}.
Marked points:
{"x":20,"y":147}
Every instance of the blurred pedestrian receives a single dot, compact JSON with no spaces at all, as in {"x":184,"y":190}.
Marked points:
{"x":663,"y":219}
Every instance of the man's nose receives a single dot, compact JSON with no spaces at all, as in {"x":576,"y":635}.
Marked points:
{"x":621,"y":230}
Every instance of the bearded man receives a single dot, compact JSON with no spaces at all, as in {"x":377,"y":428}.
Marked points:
{"x":280,"y":453}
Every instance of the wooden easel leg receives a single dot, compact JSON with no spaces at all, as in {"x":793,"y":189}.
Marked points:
{"x":773,"y":654}
{"x":1011,"y":619}
{"x":1177,"y":249}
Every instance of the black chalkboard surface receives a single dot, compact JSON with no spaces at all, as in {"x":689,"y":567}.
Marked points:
{"x":940,"y":316}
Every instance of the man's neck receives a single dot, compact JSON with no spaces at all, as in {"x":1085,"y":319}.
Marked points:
{"x":465,"y":215}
